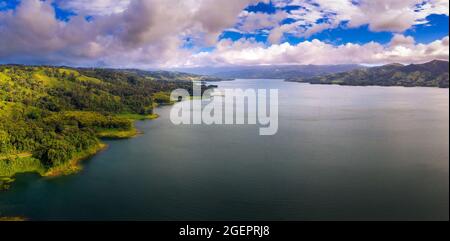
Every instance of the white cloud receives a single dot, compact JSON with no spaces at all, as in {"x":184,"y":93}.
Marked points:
{"x":401,"y":40}
{"x":380,"y":15}
{"x":276,"y":34}
{"x":147,"y":32}
{"x":248,"y":52}
{"x":95,"y":7}
{"x":144,"y":33}
{"x":251,"y":22}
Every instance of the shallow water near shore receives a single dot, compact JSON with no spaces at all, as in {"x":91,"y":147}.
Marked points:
{"x":341,"y":153}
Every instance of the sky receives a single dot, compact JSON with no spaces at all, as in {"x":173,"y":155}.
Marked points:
{"x":193,"y":33}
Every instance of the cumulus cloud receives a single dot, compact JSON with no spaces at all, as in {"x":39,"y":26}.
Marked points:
{"x":95,"y":7}
{"x":146,"y":32}
{"x":33,"y":30}
{"x":251,"y":22}
{"x":401,"y":40}
{"x":314,"y":16}
{"x":248,"y":52}
{"x":277,"y":33}
{"x":152,"y":33}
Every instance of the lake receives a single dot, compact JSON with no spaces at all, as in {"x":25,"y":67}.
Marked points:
{"x":341,"y":153}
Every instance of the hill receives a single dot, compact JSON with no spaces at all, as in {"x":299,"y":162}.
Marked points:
{"x":431,"y":74}
{"x":52,"y":117}
{"x":162,"y":75}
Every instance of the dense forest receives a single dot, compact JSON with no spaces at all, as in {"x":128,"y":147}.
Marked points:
{"x":50,"y":116}
{"x":431,"y":74}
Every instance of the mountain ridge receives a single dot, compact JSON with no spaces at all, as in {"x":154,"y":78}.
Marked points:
{"x":268,"y":71}
{"x":430,"y":74}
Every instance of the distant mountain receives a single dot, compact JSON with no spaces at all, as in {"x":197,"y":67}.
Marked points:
{"x":431,"y":74}
{"x":269,"y":71}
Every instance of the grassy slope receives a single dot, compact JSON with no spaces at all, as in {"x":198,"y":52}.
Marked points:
{"x":12,"y":164}
{"x":117,"y":134}
{"x":135,"y":117}
{"x":12,"y":219}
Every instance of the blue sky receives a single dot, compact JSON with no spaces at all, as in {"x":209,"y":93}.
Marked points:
{"x":436,"y":28}
{"x":200,"y":32}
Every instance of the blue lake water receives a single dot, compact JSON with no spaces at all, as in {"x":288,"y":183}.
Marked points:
{"x":341,"y":153}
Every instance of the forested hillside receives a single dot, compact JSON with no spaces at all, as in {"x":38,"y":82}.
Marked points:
{"x":431,"y":74}
{"x":50,"y":117}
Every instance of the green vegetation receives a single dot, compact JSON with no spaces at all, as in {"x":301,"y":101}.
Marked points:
{"x":12,"y":166}
{"x":5,"y":183}
{"x":135,"y":117}
{"x":162,"y":98}
{"x":73,"y":165}
{"x":51,"y":118}
{"x":431,"y":74}
{"x":12,"y":219}
{"x":117,"y":134}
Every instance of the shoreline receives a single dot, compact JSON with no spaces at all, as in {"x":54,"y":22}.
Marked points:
{"x":12,"y":219}
{"x":126,"y":134}
{"x":367,"y":85}
{"x":71,"y":167}
{"x":74,"y":165}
